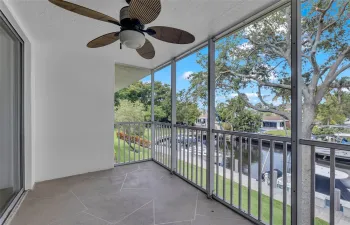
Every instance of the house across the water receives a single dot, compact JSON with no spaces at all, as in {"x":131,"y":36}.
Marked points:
{"x":274,"y":122}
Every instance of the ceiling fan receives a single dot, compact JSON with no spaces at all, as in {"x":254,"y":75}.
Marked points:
{"x":132,"y":26}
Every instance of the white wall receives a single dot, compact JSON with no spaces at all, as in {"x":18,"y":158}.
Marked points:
{"x":74,"y":117}
{"x":28,"y":103}
{"x":68,"y":108}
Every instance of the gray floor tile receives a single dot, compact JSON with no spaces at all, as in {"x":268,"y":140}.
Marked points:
{"x":81,"y":219}
{"x":150,"y":166}
{"x":52,"y":188}
{"x":180,"y":223}
{"x":136,"y":194}
{"x":115,"y":208}
{"x":213,"y":208}
{"x":209,"y":220}
{"x":99,"y":186}
{"x":115,"y":172}
{"x":144,"y":179}
{"x":176,"y":204}
{"x":143,"y":216}
{"x":47,"y":210}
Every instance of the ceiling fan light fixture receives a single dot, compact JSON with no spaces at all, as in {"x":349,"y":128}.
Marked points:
{"x":132,"y":39}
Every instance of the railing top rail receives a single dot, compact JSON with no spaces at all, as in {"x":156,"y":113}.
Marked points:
{"x":325,"y":144}
{"x":126,"y":123}
{"x":253,"y":135}
{"x":162,"y":123}
{"x":191,"y":127}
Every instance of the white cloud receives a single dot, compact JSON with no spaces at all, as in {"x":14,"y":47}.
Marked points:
{"x":147,"y":82}
{"x":246,"y":46}
{"x":186,"y":75}
{"x":249,"y":95}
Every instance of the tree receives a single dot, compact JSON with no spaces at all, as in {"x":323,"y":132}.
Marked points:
{"x":130,"y":112}
{"x":187,"y":110}
{"x":259,"y":57}
{"x":235,"y":112}
{"x":142,"y":92}
{"x":330,"y":112}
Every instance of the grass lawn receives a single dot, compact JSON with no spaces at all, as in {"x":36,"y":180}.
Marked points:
{"x":278,"y":132}
{"x":125,"y":150}
{"x":265,"y":200}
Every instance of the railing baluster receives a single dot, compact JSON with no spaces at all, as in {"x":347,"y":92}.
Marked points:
{"x":196,"y":156}
{"x":332,"y":187}
{"x":139,"y":136}
{"x":167,"y":152}
{"x":259,"y":178}
{"x":217,"y":163}
{"x":183,"y":153}
{"x":157,"y":142}
{"x":232,"y":165}
{"x":129,"y":140}
{"x":164,"y":147}
{"x":192,"y":155}
{"x":124,"y":138}
{"x":285,"y":179}
{"x":201,"y":158}
{"x":179,"y":151}
{"x":148,"y":140}
{"x":224,"y":169}
{"x":249,"y":174}
{"x":119,"y":143}
{"x":272,"y":178}
{"x":240,"y":173}
{"x":162,"y":138}
{"x":178,"y":167}
{"x":169,"y":146}
{"x":134,"y":136}
{"x":188,"y":154}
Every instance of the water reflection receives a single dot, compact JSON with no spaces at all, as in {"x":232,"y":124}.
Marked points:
{"x":265,"y":156}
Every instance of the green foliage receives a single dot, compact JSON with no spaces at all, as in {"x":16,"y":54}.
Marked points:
{"x":329,"y":130}
{"x":142,"y":92}
{"x":330,"y":112}
{"x":139,"y":94}
{"x":323,"y":131}
{"x":187,"y":110}
{"x":237,"y":116}
{"x":130,"y":112}
{"x":258,"y":57}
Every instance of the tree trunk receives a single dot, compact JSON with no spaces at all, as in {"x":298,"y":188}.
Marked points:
{"x":307,"y":124}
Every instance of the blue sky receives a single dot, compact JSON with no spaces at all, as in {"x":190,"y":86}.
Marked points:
{"x":188,"y":65}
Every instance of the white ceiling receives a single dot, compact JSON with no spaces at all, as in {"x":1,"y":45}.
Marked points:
{"x":126,"y":75}
{"x":49,"y":24}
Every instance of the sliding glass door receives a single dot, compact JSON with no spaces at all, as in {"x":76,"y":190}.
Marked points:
{"x":11,"y":168}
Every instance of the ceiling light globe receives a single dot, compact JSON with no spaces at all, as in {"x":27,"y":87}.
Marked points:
{"x":132,"y":39}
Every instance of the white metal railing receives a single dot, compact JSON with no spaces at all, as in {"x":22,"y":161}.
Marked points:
{"x":335,"y":204}
{"x":235,"y":185}
{"x":252,"y":172}
{"x":132,"y":142}
{"x":162,"y":144}
{"x":191,"y":152}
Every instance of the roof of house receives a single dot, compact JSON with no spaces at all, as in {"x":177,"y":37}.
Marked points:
{"x":273,"y":118}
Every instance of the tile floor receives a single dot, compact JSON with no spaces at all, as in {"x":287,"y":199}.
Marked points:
{"x":137,"y":194}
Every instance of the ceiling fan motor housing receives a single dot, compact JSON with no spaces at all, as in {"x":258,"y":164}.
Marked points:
{"x":130,"y":35}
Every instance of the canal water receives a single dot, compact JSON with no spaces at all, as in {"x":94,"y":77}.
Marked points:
{"x":265,"y":158}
